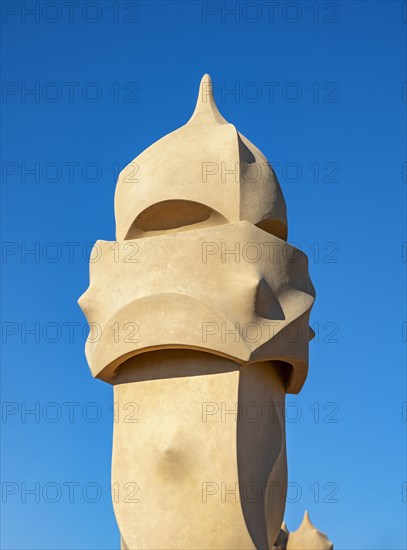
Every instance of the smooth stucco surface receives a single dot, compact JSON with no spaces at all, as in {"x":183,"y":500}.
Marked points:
{"x":199,"y":317}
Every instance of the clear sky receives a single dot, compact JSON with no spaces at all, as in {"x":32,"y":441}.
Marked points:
{"x":318,"y":87}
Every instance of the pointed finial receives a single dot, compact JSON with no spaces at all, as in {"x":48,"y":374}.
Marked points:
{"x":308,"y":537}
{"x":306,"y":521}
{"x":206,"y":108}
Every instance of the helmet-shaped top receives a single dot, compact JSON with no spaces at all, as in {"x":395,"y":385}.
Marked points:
{"x":205,"y":173}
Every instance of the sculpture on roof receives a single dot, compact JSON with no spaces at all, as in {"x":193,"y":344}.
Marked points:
{"x":201,"y":309}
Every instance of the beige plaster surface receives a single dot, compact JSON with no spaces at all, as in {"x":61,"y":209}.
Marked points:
{"x":307,"y":537}
{"x":207,"y":453}
{"x":203,"y":173}
{"x":232,"y":290}
{"x":199,"y":316}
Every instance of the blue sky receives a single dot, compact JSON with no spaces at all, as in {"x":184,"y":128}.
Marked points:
{"x":318,"y":87}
